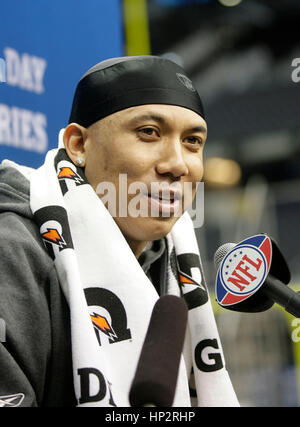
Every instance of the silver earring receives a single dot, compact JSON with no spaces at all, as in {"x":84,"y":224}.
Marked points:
{"x":80,"y":161}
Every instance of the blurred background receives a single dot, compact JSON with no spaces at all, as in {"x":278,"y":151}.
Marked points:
{"x":243,"y":56}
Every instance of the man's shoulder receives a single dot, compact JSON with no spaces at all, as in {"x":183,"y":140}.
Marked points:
{"x":20,"y":241}
{"x":17,"y":228}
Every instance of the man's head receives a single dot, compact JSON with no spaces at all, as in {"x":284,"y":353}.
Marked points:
{"x":139,"y":118}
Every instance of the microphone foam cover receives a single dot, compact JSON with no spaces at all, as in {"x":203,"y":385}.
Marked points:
{"x":157,"y":370}
{"x":221,"y":252}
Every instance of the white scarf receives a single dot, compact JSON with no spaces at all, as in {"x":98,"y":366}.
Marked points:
{"x":111,"y":298}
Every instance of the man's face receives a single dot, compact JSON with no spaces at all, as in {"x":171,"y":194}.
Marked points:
{"x":147,"y":144}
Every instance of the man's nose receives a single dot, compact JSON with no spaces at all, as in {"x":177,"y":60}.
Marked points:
{"x":172,"y":161}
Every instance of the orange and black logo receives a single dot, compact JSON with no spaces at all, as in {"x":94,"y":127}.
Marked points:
{"x":108,"y":316}
{"x":67,"y":173}
{"x":68,"y":176}
{"x":103,"y":325}
{"x":191,"y":280}
{"x":54,"y":228}
{"x":53,"y":236}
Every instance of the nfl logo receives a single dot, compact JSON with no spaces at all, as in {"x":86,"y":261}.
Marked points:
{"x":243,"y":270}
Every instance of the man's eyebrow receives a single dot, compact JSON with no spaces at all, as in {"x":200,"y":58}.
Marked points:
{"x":200,"y":128}
{"x":145,"y":117}
{"x":162,"y":120}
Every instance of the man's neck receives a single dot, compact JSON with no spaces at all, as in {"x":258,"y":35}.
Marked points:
{"x":137,"y":247}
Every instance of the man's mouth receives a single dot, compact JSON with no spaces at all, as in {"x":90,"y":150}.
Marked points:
{"x":165,"y":202}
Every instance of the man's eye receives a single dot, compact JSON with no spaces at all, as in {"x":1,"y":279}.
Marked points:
{"x":194,"y":140}
{"x":148,"y":132}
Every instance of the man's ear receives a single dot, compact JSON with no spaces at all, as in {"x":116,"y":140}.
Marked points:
{"x":74,"y":138}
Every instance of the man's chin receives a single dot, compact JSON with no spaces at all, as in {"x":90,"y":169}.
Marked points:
{"x":148,"y":229}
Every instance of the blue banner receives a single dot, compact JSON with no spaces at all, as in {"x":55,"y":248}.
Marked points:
{"x":45,"y":47}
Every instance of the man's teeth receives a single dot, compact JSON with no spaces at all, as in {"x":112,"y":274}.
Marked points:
{"x":166,"y":199}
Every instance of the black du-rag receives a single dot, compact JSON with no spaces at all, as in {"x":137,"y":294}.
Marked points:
{"x":119,"y":83}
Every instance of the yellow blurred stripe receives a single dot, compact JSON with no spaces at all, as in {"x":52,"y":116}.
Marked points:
{"x":136,"y":27}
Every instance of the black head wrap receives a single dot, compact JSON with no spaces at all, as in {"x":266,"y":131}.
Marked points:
{"x":119,"y":83}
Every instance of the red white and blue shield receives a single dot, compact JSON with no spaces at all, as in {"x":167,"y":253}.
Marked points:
{"x":243,"y":270}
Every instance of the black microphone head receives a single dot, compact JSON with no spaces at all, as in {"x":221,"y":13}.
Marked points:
{"x":157,"y":370}
{"x":240,"y":279}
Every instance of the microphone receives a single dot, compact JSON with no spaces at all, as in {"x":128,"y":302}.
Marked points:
{"x":252,"y":275}
{"x":156,"y":375}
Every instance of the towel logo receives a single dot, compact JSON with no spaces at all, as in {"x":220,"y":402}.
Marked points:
{"x":94,"y":386}
{"x":66,"y":172}
{"x":54,"y":232}
{"x":205,"y":359}
{"x":56,"y":237}
{"x":108,"y":316}
{"x":190,"y":277}
{"x":68,"y":176}
{"x":101,"y":324}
